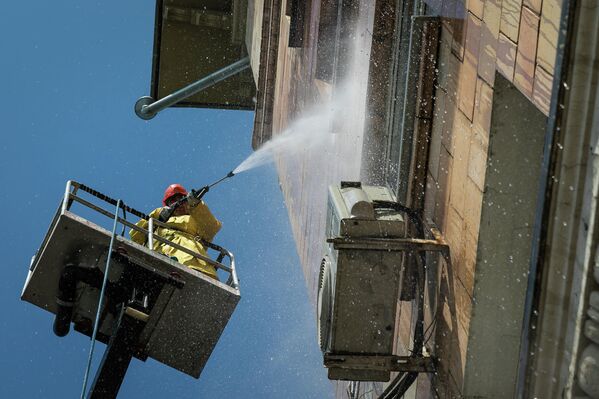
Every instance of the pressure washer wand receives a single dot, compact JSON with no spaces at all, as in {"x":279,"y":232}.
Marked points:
{"x":230,"y":174}
{"x":202,"y":191}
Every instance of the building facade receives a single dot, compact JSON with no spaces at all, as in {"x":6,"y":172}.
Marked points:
{"x":481,"y":113}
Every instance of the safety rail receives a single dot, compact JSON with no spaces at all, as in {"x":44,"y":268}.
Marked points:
{"x":70,"y":196}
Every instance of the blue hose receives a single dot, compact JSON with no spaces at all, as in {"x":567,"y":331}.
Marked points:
{"x":101,"y":301}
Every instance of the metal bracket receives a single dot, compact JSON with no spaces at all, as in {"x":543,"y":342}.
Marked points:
{"x":387,"y":244}
{"x":411,"y":364}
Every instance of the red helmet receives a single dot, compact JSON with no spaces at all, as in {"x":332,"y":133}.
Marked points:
{"x":172,"y":190}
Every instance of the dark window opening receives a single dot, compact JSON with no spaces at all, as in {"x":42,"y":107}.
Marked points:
{"x":409,"y":105}
{"x":296,"y":10}
{"x":395,"y":106}
{"x":327,"y":31}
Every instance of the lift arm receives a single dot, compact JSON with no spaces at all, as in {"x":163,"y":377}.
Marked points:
{"x":143,"y":286}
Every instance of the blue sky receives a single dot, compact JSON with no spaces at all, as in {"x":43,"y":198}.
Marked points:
{"x":71,"y":72}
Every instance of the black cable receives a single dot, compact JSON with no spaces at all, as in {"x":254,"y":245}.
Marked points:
{"x":438,"y":305}
{"x":124,"y":218}
{"x":413,"y":214}
{"x":110,"y":200}
{"x":404,"y":380}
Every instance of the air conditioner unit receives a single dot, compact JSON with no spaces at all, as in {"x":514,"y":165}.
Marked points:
{"x":368,"y":265}
{"x":358,"y":289}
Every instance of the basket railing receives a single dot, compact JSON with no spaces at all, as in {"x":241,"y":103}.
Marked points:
{"x":71,"y":196}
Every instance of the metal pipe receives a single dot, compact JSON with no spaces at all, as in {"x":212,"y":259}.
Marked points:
{"x":151,"y":233}
{"x":147,"y":108}
{"x":235,"y":283}
{"x":421,"y":286}
{"x":67,"y":194}
{"x":233,"y":280}
{"x":108,"y":214}
{"x":193,"y":253}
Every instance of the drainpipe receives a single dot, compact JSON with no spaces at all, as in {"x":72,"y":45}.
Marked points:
{"x":146,"y":108}
{"x":562,"y":67}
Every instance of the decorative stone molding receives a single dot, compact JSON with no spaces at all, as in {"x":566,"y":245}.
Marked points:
{"x":565,"y":355}
{"x":587,"y":374}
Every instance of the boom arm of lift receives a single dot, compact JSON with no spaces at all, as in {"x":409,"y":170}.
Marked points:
{"x":139,"y":297}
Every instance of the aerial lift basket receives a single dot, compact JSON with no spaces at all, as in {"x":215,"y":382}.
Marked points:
{"x":179,"y":313}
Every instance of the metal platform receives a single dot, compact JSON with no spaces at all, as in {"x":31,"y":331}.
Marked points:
{"x":184,"y":324}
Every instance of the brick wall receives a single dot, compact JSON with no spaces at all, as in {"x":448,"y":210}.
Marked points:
{"x":516,"y":38}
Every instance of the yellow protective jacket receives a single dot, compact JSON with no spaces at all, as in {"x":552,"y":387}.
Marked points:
{"x":183,"y":230}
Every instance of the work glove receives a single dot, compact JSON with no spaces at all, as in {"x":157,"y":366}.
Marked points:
{"x":195,"y":196}
{"x":165,"y":213}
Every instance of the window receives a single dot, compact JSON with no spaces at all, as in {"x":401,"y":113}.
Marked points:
{"x":409,"y":107}
{"x":327,"y":37}
{"x":296,"y":10}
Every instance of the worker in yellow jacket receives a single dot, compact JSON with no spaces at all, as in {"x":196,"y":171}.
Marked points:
{"x":188,"y":223}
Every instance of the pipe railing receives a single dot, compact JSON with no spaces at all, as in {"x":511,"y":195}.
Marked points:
{"x":70,"y":197}
{"x":177,"y":246}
